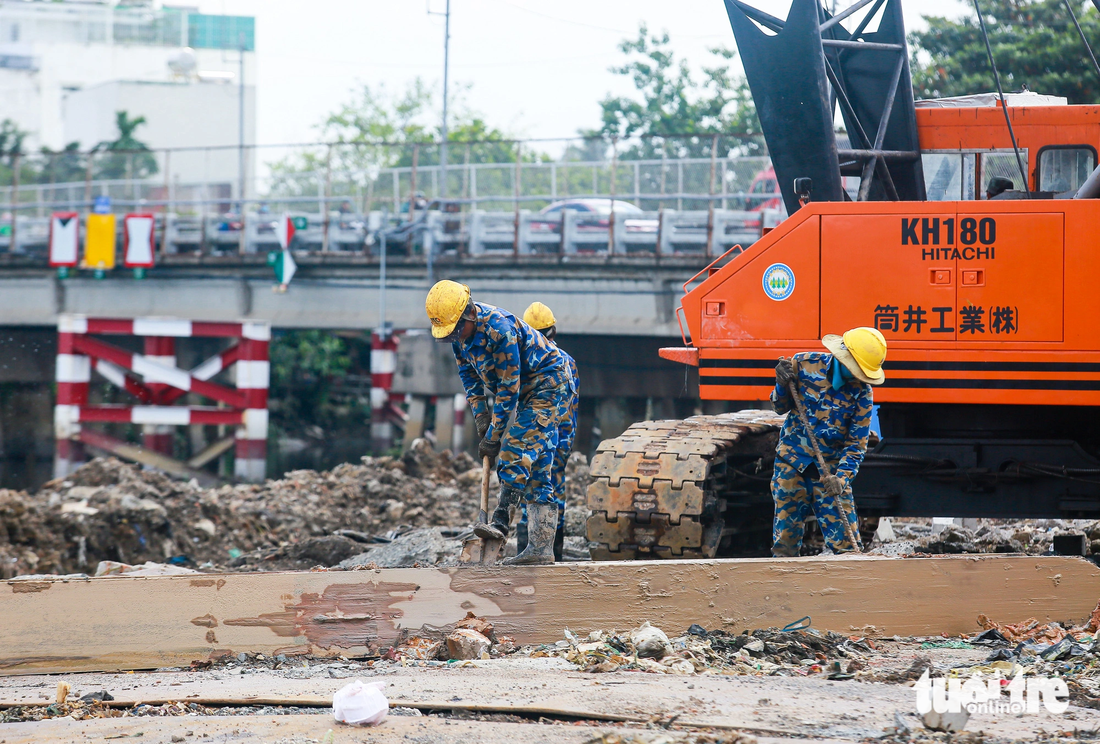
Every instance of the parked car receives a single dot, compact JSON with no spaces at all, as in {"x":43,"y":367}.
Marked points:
{"x":597,"y":216}
{"x":764,"y":183}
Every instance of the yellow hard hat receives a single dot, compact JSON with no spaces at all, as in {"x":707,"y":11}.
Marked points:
{"x":446,"y":302}
{"x":539,"y":316}
{"x":862,"y":351}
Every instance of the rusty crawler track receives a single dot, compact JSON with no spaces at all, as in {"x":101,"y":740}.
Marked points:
{"x":696,"y":488}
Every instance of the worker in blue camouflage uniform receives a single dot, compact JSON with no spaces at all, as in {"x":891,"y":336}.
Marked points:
{"x":836,"y":392}
{"x":500,"y":355}
{"x":541,"y":318}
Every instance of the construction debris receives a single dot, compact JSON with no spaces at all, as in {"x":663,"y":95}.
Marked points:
{"x":760,"y":652}
{"x":915,"y":536}
{"x":115,"y":512}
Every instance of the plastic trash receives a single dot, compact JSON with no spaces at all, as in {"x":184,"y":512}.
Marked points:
{"x":650,"y":642}
{"x":360,"y":703}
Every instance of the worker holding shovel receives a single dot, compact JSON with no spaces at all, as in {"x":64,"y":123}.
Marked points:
{"x":500,"y":355}
{"x":541,"y":318}
{"x":821,"y":447}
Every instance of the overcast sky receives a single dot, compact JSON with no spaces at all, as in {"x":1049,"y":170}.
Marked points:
{"x":535,"y":69}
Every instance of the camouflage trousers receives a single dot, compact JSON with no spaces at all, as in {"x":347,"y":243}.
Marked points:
{"x":567,"y":433}
{"x":797,"y":496}
{"x":531,"y":443}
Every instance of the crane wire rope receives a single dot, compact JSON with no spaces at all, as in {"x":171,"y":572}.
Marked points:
{"x":1081,"y":33}
{"x":1001,"y":96}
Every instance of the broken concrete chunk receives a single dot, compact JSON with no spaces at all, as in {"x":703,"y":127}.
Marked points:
{"x":946,"y":721}
{"x":754,"y":647}
{"x":473,"y":622}
{"x":79,"y":507}
{"x":423,"y":649}
{"x":464,"y":644}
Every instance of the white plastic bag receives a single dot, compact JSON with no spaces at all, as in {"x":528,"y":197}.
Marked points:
{"x":361,"y":703}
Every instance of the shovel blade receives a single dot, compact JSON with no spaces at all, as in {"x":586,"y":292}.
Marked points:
{"x":472,"y":551}
{"x":491,"y":550}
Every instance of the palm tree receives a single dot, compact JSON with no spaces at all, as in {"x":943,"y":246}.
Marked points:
{"x":128,"y":156}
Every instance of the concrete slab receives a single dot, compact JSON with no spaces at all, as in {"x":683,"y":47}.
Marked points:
{"x":802,"y":707}
{"x":149,"y":622}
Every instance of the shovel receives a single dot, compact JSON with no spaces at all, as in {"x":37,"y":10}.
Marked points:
{"x":476,"y":549}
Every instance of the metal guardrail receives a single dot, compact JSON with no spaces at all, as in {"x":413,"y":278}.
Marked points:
{"x":183,"y":181}
{"x":436,"y":233}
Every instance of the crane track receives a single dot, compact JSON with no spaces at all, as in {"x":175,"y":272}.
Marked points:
{"x":694,"y":488}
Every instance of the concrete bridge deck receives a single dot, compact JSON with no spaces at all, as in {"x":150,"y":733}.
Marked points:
{"x":600,"y":295}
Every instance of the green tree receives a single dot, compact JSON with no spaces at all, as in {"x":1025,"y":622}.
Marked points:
{"x":406,"y":120}
{"x":1034,"y":44}
{"x":11,"y":138}
{"x":303,"y":366}
{"x":672,"y":100}
{"x":62,"y":166}
{"x":126,"y":156}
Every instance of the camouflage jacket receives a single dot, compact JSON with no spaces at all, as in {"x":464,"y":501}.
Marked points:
{"x":507,"y":359}
{"x":841,"y":419}
{"x":572,"y":367}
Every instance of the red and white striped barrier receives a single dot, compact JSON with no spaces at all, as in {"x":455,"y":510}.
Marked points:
{"x":157,"y":383}
{"x":383,"y":413}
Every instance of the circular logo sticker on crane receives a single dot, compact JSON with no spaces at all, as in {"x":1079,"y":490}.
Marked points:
{"x":778,"y":282}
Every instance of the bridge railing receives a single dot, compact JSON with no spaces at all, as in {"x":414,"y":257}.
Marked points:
{"x":432,"y":233}
{"x":313,"y":177}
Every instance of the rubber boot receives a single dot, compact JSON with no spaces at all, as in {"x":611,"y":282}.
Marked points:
{"x":559,"y":538}
{"x":542,"y":524}
{"x":521,"y":532}
{"x":502,"y":516}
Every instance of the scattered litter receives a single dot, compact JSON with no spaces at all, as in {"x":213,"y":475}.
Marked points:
{"x":650,"y":642}
{"x":360,"y":703}
{"x":946,"y":644}
{"x":149,"y":568}
{"x":762,"y":652}
{"x":97,"y":697}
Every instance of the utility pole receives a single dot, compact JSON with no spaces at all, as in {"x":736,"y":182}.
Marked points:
{"x":446,"y":76}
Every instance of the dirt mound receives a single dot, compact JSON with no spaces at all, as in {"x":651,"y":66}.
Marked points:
{"x":110,"y":510}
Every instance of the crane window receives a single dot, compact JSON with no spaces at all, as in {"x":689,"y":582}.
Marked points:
{"x":1064,"y":169}
{"x":949,"y":176}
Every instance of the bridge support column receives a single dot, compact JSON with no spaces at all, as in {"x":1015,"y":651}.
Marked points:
{"x":157,"y":437}
{"x":73,"y":375}
{"x":253,"y":379}
{"x":383,"y":364}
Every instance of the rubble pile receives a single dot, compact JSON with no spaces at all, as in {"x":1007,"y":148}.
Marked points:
{"x":769,"y":651}
{"x":472,"y":638}
{"x":112,"y":511}
{"x":909,"y":536}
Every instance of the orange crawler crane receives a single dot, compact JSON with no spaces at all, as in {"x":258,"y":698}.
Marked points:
{"x":983,"y":289}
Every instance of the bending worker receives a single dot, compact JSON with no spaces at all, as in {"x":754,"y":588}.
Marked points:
{"x":541,"y":318}
{"x":836,"y":391}
{"x":502,"y":356}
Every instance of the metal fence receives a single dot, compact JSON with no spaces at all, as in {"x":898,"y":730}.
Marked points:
{"x":367,"y":178}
